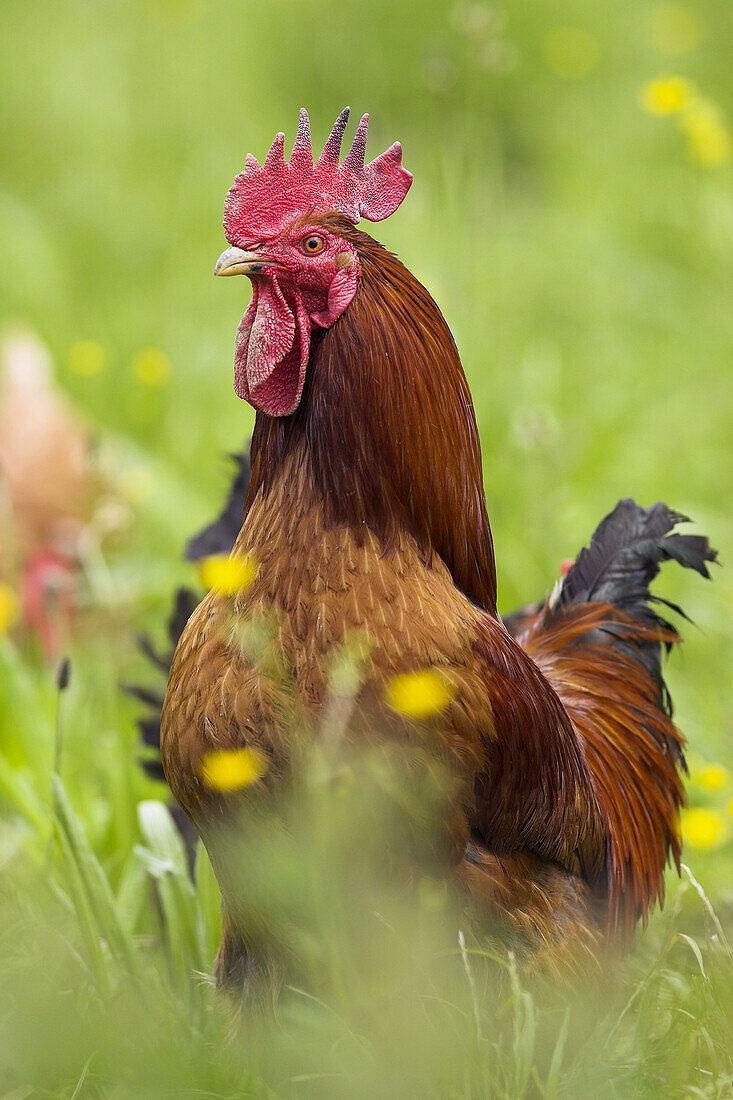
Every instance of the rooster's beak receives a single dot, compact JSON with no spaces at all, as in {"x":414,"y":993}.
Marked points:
{"x":235,"y":261}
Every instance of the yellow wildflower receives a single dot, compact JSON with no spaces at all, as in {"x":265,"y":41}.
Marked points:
{"x":712,"y":777}
{"x":704,"y":829}
{"x":232,"y":769}
{"x":9,"y":610}
{"x":86,"y":358}
{"x":666,"y":95}
{"x":225,"y":575}
{"x":674,"y":29}
{"x":708,"y":138}
{"x":419,"y":694}
{"x":152,"y":367}
{"x":570,"y":52}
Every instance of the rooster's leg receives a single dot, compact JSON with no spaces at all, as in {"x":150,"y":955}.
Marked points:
{"x":244,"y":971}
{"x":544,"y":911}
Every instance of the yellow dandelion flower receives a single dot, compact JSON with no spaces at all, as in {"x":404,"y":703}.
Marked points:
{"x":708,"y":137}
{"x":712,"y":777}
{"x":704,"y":829}
{"x":232,"y":769}
{"x":666,"y":95}
{"x":9,"y":609}
{"x":152,"y":367}
{"x":570,"y":52}
{"x":673,"y":29}
{"x":419,"y":694}
{"x":86,"y":358}
{"x":228,"y":576}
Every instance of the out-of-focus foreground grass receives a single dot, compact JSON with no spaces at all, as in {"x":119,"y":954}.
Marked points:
{"x":572,"y":214}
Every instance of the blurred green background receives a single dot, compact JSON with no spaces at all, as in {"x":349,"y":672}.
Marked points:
{"x":572,"y":214}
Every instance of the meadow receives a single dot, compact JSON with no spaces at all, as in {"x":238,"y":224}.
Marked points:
{"x":572,"y":214}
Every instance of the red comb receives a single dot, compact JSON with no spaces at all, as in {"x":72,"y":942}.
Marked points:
{"x":266,"y":196}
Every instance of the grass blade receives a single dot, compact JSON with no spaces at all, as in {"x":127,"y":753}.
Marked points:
{"x":93,"y":882}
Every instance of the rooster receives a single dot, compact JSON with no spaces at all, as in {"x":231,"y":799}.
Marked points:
{"x":365,"y":512}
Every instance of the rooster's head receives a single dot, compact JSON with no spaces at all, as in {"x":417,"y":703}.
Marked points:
{"x":276,"y":219}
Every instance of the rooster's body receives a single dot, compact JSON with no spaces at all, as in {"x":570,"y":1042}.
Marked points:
{"x":366,"y":517}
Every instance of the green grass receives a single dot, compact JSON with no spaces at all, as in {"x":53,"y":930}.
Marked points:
{"x":387,"y":991}
{"x":582,"y":258}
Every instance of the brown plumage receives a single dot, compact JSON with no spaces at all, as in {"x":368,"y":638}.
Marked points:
{"x":404,"y":454}
{"x":366,"y":512}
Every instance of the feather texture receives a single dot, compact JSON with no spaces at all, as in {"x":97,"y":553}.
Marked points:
{"x":623,"y":558}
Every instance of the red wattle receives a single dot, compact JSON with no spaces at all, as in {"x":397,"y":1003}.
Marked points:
{"x":271,"y":353}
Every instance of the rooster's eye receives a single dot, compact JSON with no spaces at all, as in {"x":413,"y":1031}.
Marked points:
{"x":312,"y":244}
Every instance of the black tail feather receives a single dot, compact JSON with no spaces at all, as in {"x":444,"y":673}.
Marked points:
{"x":623,"y":558}
{"x":219,"y":537}
{"x":625,"y":554}
{"x":149,"y":723}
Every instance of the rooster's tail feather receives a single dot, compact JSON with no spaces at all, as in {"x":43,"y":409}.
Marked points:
{"x":623,"y":558}
{"x":598,"y":639}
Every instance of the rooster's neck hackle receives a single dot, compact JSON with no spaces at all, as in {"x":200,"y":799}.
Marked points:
{"x":386,"y":428}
